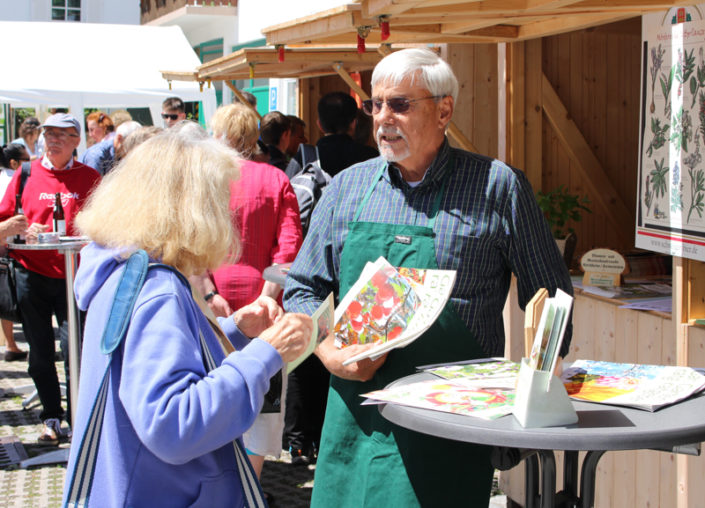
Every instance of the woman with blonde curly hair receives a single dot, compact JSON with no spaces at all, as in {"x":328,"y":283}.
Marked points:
{"x":170,"y":419}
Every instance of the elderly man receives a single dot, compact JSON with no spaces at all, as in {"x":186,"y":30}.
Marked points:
{"x":422,"y":204}
{"x":40,"y":275}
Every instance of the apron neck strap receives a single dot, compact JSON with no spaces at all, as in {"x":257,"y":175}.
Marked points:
{"x":436,"y":201}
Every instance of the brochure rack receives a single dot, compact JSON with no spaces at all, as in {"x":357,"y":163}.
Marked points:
{"x":541,"y":399}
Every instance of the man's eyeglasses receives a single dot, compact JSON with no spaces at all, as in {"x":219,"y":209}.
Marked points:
{"x":170,"y":116}
{"x":396,"y":104}
{"x":59,"y":135}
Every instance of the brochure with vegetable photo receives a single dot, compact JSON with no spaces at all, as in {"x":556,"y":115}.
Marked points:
{"x":390,"y":307}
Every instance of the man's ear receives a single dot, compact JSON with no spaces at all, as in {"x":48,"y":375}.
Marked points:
{"x":445,"y":108}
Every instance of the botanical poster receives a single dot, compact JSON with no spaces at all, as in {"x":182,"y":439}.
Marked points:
{"x":671,"y":187}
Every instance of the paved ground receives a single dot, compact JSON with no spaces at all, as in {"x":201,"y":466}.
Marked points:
{"x":42,"y":486}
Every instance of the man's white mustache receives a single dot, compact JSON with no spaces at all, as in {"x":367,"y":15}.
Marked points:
{"x":388,"y":131}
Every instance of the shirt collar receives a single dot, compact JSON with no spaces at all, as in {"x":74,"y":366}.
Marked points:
{"x":47,"y":164}
{"x":435,"y":172}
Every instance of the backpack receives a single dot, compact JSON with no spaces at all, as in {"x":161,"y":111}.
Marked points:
{"x":308,"y":185}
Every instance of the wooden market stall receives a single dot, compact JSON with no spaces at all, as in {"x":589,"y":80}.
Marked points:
{"x":553,"y":88}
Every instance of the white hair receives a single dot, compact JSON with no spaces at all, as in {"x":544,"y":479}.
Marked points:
{"x":126,"y":128}
{"x":421,"y":64}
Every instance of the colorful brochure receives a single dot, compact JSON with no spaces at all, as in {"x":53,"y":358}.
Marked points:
{"x":390,"y":307}
{"x":449,"y":397}
{"x":549,"y":334}
{"x":647,"y":387}
{"x":322,"y":326}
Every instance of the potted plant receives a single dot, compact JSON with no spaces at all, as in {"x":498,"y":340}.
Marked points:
{"x":560,"y":206}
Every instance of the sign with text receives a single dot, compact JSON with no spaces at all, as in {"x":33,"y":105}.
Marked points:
{"x":602,"y":267}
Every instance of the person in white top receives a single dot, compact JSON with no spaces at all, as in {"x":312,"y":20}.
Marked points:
{"x":11,"y":158}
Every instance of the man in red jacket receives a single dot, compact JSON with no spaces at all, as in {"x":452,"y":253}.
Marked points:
{"x":40,"y":274}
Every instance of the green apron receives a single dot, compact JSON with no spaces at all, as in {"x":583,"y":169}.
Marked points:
{"x":366,"y":461}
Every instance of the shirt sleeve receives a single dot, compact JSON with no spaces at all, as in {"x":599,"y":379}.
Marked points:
{"x":314,"y":273}
{"x":168,"y":396}
{"x":7,"y":204}
{"x":533,"y":254}
{"x":289,"y":235}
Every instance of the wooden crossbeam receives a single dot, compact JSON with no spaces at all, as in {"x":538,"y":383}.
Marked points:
{"x":242,"y":98}
{"x":589,"y":167}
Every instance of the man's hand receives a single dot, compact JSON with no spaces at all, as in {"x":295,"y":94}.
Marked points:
{"x":219,"y":306}
{"x":33,"y":231}
{"x":16,"y":225}
{"x":333,"y":359}
{"x":259,"y":315}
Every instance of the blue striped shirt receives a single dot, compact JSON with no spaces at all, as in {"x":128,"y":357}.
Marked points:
{"x":488,"y":227}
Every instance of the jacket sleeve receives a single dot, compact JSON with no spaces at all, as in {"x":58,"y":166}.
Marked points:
{"x":179,"y":411}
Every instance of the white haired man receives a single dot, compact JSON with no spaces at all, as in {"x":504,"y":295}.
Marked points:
{"x":421,"y":204}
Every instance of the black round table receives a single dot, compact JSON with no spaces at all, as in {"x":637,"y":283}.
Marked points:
{"x":600,"y":428}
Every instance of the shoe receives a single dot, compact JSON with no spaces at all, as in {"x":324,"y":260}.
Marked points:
{"x":51,"y":432}
{"x":13,"y":356}
{"x":298,"y":458}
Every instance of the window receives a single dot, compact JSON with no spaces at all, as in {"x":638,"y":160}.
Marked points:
{"x":66,"y":10}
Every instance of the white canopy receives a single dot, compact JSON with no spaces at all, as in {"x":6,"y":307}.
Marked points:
{"x":79,"y":65}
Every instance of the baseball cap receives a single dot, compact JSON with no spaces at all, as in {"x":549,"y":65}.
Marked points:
{"x":63,"y":121}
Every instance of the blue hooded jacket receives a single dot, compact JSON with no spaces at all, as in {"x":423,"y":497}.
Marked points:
{"x":168,"y":428}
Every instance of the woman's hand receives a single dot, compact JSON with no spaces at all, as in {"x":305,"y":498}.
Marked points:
{"x":219,"y":306}
{"x":289,"y":335}
{"x":256,"y":317}
{"x":16,"y":225}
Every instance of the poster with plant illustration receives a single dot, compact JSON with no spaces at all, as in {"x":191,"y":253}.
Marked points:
{"x":671,"y":187}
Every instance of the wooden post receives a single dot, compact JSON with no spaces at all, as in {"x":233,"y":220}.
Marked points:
{"x":516,"y":93}
{"x":242,"y":98}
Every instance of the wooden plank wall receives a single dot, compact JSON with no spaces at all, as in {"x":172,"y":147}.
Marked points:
{"x":476,"y":112}
{"x":595,"y":72}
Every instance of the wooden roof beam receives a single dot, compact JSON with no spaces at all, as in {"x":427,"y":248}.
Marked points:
{"x":335,"y":21}
{"x":372,"y":8}
{"x":564,"y":24}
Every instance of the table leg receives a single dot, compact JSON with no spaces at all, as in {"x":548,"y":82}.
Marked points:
{"x":548,"y":478}
{"x":569,"y":495}
{"x":531,"y":482}
{"x":587,"y":478}
{"x":71,"y":260}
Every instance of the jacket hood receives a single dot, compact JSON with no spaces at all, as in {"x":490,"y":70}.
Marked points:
{"x":97,"y":263}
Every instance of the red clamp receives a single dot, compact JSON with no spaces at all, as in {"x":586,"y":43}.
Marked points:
{"x":384,"y":27}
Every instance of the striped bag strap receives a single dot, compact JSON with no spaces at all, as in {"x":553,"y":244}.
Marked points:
{"x":131,"y":281}
{"x":254,"y":497}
